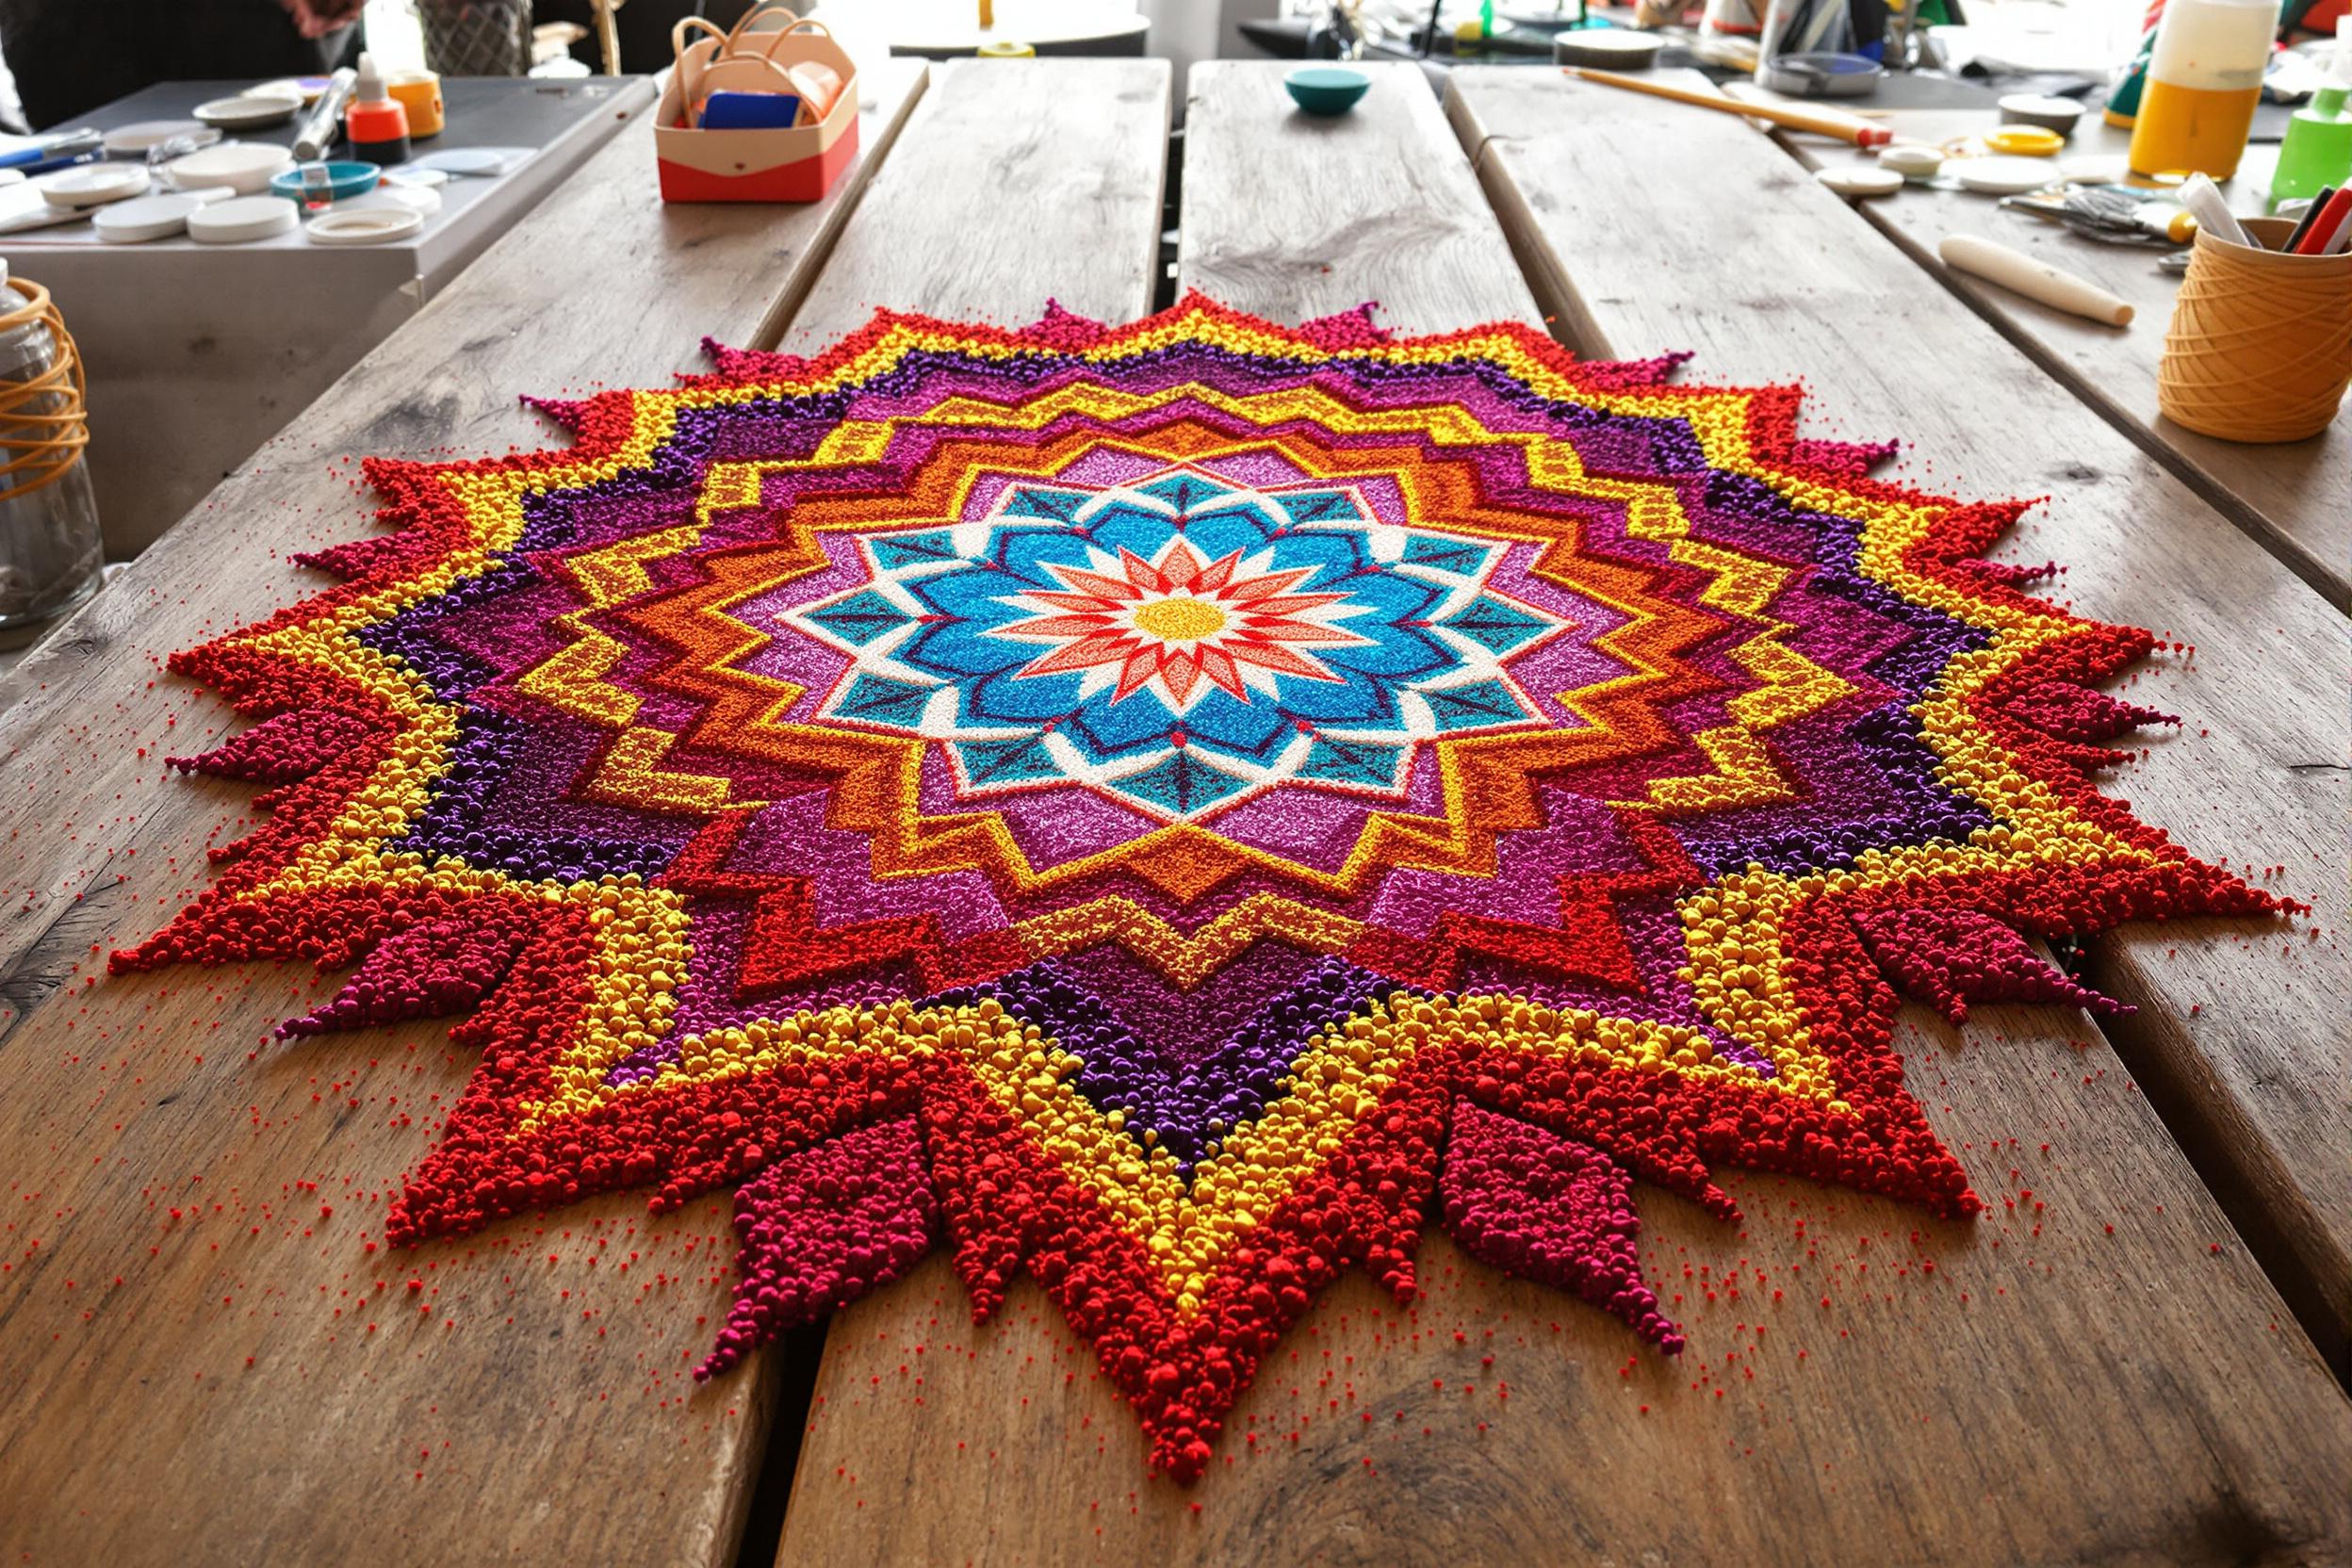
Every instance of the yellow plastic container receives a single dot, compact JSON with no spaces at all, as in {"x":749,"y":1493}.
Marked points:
{"x":2203,"y":82}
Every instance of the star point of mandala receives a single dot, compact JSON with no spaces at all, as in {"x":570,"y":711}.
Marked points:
{"x":1173,"y":810}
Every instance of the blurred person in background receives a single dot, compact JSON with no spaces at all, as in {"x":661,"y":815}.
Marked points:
{"x":68,"y":57}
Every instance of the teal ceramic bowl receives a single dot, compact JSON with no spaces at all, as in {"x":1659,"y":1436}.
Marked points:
{"x":344,"y":180}
{"x":1327,"y":88}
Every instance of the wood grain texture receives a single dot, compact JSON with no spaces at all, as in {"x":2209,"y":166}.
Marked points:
{"x":2094,"y":1371}
{"x":2295,"y":497}
{"x":205,"y":1355}
{"x":2242,"y":1024}
{"x":1016,"y":181}
{"x":1281,"y":230}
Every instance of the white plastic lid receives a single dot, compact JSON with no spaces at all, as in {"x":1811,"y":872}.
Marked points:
{"x":128,"y":140}
{"x":242,"y":218}
{"x":374,"y":225}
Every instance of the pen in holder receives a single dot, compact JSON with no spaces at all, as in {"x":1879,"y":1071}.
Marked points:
{"x":2260,"y":348}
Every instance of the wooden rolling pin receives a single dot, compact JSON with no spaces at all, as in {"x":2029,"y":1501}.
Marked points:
{"x":2036,"y":280}
{"x":1844,"y":127}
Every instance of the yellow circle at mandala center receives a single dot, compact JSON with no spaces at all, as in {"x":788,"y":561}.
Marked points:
{"x":1179,"y":620}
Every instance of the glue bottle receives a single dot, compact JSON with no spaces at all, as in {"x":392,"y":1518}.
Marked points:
{"x":2317,"y":151}
{"x":2203,"y":81}
{"x":376,"y":122}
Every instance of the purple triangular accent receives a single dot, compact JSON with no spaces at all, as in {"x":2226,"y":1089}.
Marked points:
{"x":1546,"y":1208}
{"x":1950,"y":957}
{"x":821,"y":1227}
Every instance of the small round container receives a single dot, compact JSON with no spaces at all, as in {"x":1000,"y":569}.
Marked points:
{"x":2003,"y":176}
{"x":419,"y":93}
{"x":242,"y":219}
{"x":146,"y":218}
{"x":138,"y":140}
{"x":244,"y":167}
{"x":344,"y":180}
{"x":1326,"y":90}
{"x":2260,"y":348}
{"x":1859,"y":179}
{"x":252,"y":111}
{"x":2042,"y":111}
{"x":94,"y":186}
{"x":2024,"y":142}
{"x":1912,"y":160}
{"x":363,"y":225}
{"x":1606,"y":48}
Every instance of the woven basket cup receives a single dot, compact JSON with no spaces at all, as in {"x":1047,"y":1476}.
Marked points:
{"x":2260,"y":343}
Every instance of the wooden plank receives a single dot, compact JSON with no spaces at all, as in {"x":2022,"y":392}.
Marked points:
{"x":1411,"y":233}
{"x":2295,"y":499}
{"x":1010,"y":188}
{"x":2049,"y":1390}
{"x":203,"y":1355}
{"x":1072,"y":211}
{"x":2242,"y":1026}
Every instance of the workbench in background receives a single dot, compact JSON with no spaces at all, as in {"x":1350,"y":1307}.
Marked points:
{"x":198,"y":353}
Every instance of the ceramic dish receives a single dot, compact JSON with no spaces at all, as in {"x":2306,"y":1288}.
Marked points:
{"x":1327,"y":88}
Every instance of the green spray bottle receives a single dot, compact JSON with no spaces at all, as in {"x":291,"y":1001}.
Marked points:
{"x":2317,"y":151}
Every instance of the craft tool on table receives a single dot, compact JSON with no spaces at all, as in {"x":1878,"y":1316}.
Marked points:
{"x":2033,"y":277}
{"x":324,"y":126}
{"x":2113,"y":214}
{"x":1860,"y":133}
{"x":2212,"y":210}
{"x":374,"y":123}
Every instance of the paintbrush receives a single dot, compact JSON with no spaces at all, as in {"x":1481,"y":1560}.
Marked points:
{"x":1837,"y":125}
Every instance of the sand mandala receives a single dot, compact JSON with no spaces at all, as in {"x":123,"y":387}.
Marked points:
{"x":1174,"y":810}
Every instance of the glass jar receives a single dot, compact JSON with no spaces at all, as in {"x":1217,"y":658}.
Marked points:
{"x":51,"y":553}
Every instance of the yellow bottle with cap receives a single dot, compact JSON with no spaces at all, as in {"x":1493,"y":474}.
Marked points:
{"x":2203,"y":82}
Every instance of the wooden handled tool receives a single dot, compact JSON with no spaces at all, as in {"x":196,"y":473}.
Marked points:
{"x":1842,"y":126}
{"x":2036,"y":280}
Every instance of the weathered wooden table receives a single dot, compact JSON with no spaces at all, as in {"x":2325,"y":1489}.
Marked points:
{"x":206,"y":1357}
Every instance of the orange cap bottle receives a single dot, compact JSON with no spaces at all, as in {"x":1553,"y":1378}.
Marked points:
{"x":376,"y":121}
